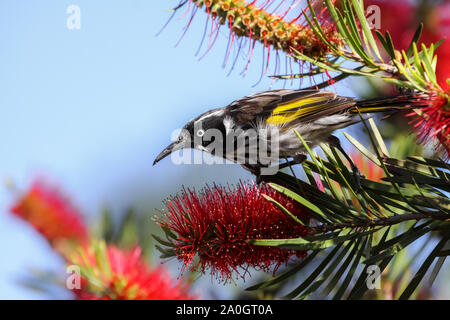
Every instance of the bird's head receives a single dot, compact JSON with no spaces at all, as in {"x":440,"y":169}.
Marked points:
{"x":192,"y":136}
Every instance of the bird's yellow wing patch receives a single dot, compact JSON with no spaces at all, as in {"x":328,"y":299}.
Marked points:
{"x":291,"y":110}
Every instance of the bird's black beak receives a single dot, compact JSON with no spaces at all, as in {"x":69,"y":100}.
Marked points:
{"x":168,"y":150}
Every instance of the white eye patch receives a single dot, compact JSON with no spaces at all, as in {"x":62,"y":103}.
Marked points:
{"x":200,"y":132}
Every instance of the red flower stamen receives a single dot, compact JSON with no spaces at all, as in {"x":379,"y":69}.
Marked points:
{"x":217,"y":223}
{"x":433,"y":123}
{"x":253,"y":21}
{"x":115,"y":274}
{"x":51,"y":214}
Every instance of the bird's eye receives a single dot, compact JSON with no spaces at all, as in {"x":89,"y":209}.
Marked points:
{"x":200,"y":133}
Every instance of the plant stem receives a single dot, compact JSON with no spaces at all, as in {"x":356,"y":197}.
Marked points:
{"x":382,"y":221}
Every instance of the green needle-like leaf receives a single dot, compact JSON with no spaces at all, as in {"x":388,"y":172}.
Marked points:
{"x":423,"y":269}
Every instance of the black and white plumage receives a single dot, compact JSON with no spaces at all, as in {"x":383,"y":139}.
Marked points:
{"x":315,"y":114}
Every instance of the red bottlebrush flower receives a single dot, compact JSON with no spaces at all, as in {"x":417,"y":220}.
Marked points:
{"x":433,"y":123}
{"x":253,"y":21}
{"x":217,"y":223}
{"x":51,"y":214}
{"x":438,"y":27}
{"x":404,"y":18}
{"x":110,"y":273}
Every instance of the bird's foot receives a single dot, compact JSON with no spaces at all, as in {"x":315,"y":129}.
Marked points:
{"x":258,"y":173}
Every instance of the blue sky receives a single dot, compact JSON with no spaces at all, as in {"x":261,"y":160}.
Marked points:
{"x":91,"y":108}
